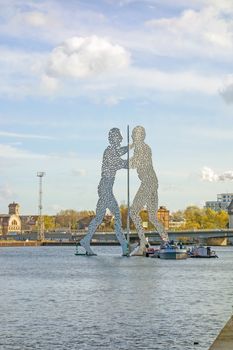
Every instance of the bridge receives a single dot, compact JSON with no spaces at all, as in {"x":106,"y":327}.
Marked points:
{"x":211,"y":237}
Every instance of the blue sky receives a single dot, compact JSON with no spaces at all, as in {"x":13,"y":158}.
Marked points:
{"x":70,"y":71}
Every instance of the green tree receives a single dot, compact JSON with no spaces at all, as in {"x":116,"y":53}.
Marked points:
{"x":49,"y":222}
{"x":178,"y":215}
{"x":67,"y":219}
{"x":193,"y":217}
{"x":204,"y":218}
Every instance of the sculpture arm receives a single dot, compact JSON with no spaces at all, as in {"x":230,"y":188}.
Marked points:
{"x":123,"y":150}
{"x":123,"y":164}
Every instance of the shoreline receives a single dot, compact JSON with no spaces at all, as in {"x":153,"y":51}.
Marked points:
{"x":50,"y":243}
{"x":224,"y":340}
{"x":36,"y":243}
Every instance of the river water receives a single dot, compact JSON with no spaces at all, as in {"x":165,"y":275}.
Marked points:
{"x":51,"y":299}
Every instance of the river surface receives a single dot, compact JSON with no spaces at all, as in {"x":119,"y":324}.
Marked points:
{"x":51,"y":299}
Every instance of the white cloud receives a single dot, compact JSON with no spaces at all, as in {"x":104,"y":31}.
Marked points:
{"x":35,"y":19}
{"x":174,"y":81}
{"x":136,"y":81}
{"x":100,"y":76}
{"x":227,"y":90}
{"x":25,"y":136}
{"x":6,"y":192}
{"x":20,"y":72}
{"x":49,"y":84}
{"x":7,"y":151}
{"x":112,"y":100}
{"x":18,"y":61}
{"x":209,"y":175}
{"x":28,"y":20}
{"x":207,"y":32}
{"x":82,"y":57}
{"x":98,"y":68}
{"x":79,"y":172}
{"x":50,"y":21}
{"x":227,"y":93}
{"x":211,"y":133}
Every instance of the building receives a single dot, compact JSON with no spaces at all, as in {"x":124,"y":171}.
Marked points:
{"x":163,"y":216}
{"x":222,"y":202}
{"x":11,"y":222}
{"x":225,"y":197}
{"x":230,"y":213}
{"x":29,"y":223}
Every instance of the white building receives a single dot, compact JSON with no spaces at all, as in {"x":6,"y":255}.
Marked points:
{"x":222,"y":202}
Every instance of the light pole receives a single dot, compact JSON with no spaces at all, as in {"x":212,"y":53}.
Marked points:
{"x":128,"y":193}
{"x":40,"y":235}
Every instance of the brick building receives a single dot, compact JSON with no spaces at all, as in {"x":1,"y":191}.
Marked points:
{"x":11,"y":222}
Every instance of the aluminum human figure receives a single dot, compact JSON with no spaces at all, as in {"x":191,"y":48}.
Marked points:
{"x":112,"y":162}
{"x":147,"y":194}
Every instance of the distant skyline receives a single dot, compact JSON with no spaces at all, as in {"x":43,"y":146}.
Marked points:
{"x":70,"y":71}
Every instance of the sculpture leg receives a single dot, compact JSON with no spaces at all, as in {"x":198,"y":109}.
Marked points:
{"x":114,"y":208}
{"x":100,"y":212}
{"x":134,"y":213}
{"x":152,"y":208}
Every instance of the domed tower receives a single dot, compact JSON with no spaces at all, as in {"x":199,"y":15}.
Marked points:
{"x":13,"y":208}
{"x":230,"y":213}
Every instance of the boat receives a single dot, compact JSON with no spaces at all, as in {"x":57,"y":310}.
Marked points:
{"x":151,"y":252}
{"x":171,"y":250}
{"x":201,"y":252}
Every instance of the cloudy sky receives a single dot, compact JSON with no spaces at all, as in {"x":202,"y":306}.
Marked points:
{"x":71,"y":70}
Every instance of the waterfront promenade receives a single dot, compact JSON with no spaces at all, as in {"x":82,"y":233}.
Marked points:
{"x":224,"y":340}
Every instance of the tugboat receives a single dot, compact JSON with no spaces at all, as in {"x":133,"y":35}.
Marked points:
{"x":201,"y":252}
{"x":171,"y":250}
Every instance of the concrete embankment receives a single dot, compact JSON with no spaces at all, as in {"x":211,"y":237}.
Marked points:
{"x":48,"y":243}
{"x":224,"y":340}
{"x":19,"y":243}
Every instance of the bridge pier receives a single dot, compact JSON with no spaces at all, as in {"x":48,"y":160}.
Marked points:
{"x":217,"y":241}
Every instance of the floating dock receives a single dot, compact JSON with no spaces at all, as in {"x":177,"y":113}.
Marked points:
{"x":224,"y":340}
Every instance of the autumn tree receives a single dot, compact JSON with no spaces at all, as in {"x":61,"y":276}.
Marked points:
{"x":49,"y":222}
{"x":201,"y":218}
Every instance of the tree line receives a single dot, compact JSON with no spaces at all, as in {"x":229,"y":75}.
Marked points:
{"x":194,"y":217}
{"x":191,"y":218}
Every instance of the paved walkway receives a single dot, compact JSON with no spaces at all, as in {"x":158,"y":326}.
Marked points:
{"x":224,"y":340}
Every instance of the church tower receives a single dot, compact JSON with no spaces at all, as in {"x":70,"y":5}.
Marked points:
{"x":13,"y":208}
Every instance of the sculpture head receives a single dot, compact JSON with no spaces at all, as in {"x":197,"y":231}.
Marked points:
{"x":114,"y":137}
{"x":138,"y":134}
